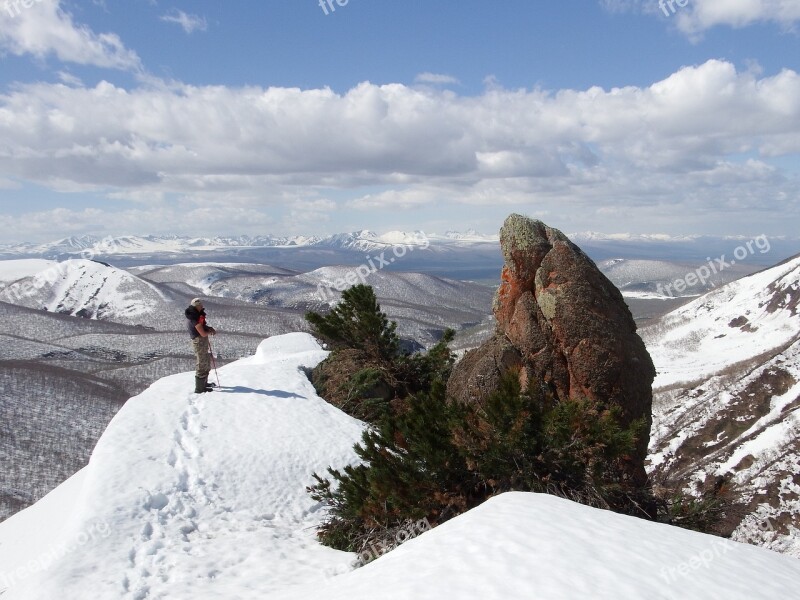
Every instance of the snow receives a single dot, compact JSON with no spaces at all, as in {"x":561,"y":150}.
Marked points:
{"x":202,"y":497}
{"x":398,"y":238}
{"x":24,"y":536}
{"x":778,"y":427}
{"x":80,"y":286}
{"x":524,"y":546}
{"x":729,"y":362}
{"x":701,"y":338}
{"x":11,"y":270}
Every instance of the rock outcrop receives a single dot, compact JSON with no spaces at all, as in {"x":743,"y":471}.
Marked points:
{"x":560,"y":321}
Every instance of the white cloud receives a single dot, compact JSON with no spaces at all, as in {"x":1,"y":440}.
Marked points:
{"x":207,"y":220}
{"x":189,"y":23}
{"x":397,"y":199}
{"x":694,"y":17}
{"x":684,"y":146}
{"x":69,"y":79}
{"x":44,"y":29}
{"x":701,"y":15}
{"x":436,"y":79}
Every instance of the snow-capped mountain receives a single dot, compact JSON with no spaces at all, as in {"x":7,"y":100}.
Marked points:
{"x":132,"y":245}
{"x":423,"y":305}
{"x":727,"y":401}
{"x":82,"y":288}
{"x":203,"y":497}
{"x":470,"y":235}
{"x":654,"y":246}
{"x":655,"y":279}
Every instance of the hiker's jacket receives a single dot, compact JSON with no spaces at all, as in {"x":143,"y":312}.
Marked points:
{"x":194,"y":317}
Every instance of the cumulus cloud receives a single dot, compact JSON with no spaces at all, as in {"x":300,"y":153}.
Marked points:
{"x":700,"y":140}
{"x":189,"y":23}
{"x":44,"y":29}
{"x":701,"y":15}
{"x":694,"y":17}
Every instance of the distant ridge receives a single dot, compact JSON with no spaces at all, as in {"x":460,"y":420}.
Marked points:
{"x":88,"y":246}
{"x":601,"y":246}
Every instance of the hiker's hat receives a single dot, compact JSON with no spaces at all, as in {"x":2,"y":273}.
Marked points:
{"x":196,"y":302}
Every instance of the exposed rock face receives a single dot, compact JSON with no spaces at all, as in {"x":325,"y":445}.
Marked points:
{"x":562,"y":322}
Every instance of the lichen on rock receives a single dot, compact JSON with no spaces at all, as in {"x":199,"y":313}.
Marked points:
{"x":562,"y":322}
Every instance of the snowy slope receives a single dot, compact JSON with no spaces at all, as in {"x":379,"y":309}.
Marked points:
{"x":423,"y":305}
{"x":83,"y":288}
{"x":12,"y":270}
{"x":202,"y":497}
{"x":729,"y":325}
{"x":521,"y":546}
{"x":191,"y":496}
{"x":648,"y":279}
{"x":213,"y":279}
{"x":727,"y":402}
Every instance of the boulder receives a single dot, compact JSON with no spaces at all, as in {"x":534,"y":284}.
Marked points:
{"x":561,"y":322}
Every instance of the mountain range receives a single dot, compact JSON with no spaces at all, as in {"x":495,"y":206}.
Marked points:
{"x":600,"y":246}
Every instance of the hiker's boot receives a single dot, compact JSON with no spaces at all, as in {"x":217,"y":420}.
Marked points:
{"x":200,"y":385}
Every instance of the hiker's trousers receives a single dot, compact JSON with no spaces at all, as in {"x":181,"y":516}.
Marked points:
{"x":200,"y":345}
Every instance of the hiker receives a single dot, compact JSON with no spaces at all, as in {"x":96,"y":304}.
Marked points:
{"x":199,"y":332}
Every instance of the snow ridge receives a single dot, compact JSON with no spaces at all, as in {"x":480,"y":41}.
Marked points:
{"x":199,"y":493}
{"x":203,"y":497}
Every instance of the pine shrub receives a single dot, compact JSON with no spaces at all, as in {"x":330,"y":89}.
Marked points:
{"x":367,"y":369}
{"x":436,"y":459}
{"x":357,"y":322}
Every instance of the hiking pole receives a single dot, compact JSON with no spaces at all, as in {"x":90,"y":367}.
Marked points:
{"x":213,"y":361}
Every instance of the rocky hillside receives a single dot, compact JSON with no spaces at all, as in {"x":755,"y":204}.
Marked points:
{"x":727,"y":402}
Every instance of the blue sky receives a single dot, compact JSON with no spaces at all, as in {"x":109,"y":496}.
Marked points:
{"x":284,"y":117}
